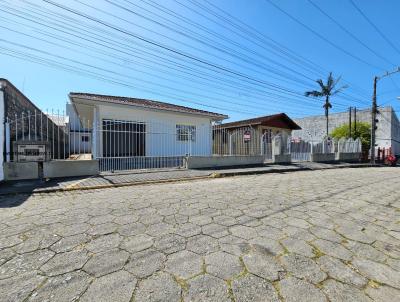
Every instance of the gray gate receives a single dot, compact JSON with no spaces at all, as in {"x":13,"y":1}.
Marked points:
{"x":300,"y":150}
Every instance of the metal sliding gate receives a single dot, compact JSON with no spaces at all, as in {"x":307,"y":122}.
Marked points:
{"x":129,"y":145}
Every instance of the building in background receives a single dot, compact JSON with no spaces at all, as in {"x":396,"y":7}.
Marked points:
{"x":252,"y":136}
{"x":387,"y":134}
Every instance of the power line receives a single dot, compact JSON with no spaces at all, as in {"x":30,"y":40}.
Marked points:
{"x":251,"y":31}
{"x":321,"y":36}
{"x":164,"y":47}
{"x":375,"y":27}
{"x":79,"y":1}
{"x":349,"y":33}
{"x":288,"y":91}
{"x":215,"y":45}
{"x":241,"y":27}
{"x":80,"y":71}
{"x":252,"y":82}
{"x":252,"y":60}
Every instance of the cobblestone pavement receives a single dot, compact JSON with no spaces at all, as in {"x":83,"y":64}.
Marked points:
{"x":329,"y":235}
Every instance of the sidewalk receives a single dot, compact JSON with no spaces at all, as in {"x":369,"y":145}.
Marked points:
{"x":129,"y":178}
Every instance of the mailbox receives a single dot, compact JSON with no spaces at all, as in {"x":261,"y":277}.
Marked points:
{"x":32,"y":151}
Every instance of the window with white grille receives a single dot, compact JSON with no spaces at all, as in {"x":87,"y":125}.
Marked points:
{"x":185,"y":133}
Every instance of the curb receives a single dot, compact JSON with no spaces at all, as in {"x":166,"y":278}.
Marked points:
{"x":73,"y":187}
{"x":228,"y":174}
{"x":126,"y":184}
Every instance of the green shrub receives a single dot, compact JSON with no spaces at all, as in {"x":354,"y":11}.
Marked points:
{"x":363,"y":131}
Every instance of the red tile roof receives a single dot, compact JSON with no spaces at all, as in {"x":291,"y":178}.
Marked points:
{"x":144,"y":103}
{"x":280,"y":120}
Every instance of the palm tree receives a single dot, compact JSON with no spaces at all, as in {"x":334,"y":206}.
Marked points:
{"x":327,"y":90}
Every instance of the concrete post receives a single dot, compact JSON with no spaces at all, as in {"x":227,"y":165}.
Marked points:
{"x":8,"y":141}
{"x":95,"y":128}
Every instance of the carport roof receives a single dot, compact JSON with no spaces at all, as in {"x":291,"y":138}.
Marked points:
{"x":145,"y":103}
{"x":280,"y":120}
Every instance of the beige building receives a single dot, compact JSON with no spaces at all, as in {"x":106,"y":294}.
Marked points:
{"x":253,"y":136}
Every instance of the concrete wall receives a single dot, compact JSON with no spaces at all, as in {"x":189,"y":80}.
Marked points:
{"x":322,"y":157}
{"x":282,"y":158}
{"x":387,"y":134}
{"x":20,"y":171}
{"x":70,"y":168}
{"x":348,"y":157}
{"x":2,"y":134}
{"x":395,"y":134}
{"x":198,"y":162}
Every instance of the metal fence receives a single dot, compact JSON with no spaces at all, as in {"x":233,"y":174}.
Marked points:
{"x":325,"y":146}
{"x":148,"y":144}
{"x":28,"y":128}
{"x":143,"y":144}
{"x":234,"y":141}
{"x":349,"y":145}
{"x":300,"y":150}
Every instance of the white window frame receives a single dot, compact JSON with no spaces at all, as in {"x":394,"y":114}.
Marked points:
{"x":185,"y":133}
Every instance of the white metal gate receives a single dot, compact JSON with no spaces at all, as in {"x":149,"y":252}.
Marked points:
{"x":300,"y":150}
{"x":127,"y":145}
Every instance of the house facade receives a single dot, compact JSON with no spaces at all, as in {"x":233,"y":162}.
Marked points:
{"x":124,"y":127}
{"x":252,"y":136}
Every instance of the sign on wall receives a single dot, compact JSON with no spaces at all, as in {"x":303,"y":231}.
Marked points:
{"x":246,"y":136}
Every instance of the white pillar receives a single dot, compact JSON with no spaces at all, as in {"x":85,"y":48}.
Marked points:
{"x":8,"y":141}
{"x":2,"y":133}
{"x":95,"y":136}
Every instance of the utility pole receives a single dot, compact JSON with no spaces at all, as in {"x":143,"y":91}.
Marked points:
{"x":374,"y":111}
{"x":350,"y":121}
{"x":373,"y":122}
{"x":355,"y":120}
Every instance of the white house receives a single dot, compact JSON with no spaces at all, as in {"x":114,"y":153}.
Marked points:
{"x":124,"y":127}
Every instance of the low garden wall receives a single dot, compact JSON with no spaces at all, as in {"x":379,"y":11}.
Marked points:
{"x":348,"y":157}
{"x":20,"y":171}
{"x":199,"y":162}
{"x":282,"y":159}
{"x":70,"y":168}
{"x":322,"y":157}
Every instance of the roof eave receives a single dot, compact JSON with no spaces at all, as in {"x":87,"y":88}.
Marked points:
{"x":215,"y":117}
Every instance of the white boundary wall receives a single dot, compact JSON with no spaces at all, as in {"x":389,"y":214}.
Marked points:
{"x":2,"y":134}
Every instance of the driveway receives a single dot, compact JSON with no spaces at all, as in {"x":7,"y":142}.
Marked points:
{"x":329,"y":235}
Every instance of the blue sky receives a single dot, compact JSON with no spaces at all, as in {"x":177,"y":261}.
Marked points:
{"x":264,"y":60}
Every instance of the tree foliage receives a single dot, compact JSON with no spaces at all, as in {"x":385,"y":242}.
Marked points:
{"x":327,"y":90}
{"x":363,"y":131}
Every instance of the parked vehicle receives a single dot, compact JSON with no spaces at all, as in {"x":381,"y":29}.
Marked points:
{"x":391,"y":160}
